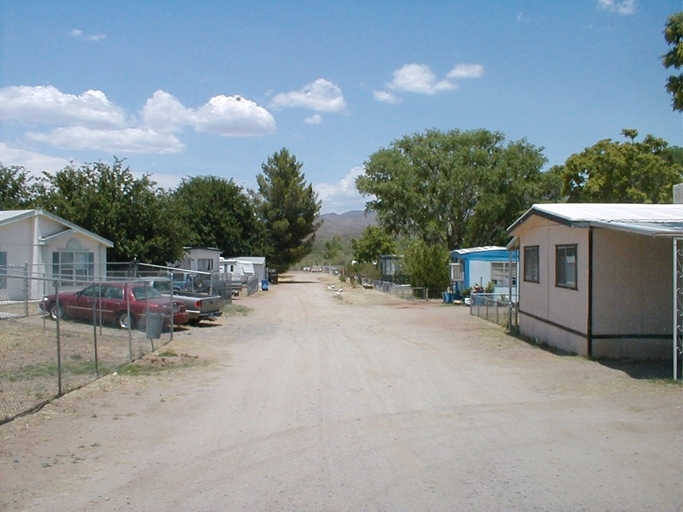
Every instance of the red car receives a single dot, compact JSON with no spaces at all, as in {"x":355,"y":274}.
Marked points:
{"x":113,"y":301}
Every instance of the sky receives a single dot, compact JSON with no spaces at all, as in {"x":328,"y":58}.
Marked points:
{"x":197,"y":88}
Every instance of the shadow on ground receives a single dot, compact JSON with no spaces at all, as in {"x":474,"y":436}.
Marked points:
{"x":641,"y":369}
{"x":636,"y":369}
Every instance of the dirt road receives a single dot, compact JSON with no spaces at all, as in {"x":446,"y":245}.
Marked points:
{"x":315,"y":402}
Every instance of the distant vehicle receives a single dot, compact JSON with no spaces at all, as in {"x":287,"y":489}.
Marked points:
{"x":307,"y":269}
{"x":240,"y":273}
{"x":316,"y":268}
{"x":113,"y":301}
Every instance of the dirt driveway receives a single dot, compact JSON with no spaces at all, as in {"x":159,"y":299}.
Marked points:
{"x":352,"y":401}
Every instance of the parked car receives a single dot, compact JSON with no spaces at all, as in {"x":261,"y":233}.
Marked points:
{"x":113,"y":301}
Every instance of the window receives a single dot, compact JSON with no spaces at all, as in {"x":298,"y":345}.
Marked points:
{"x":531,"y":272}
{"x":204,"y":264}
{"x":3,"y":269}
{"x":502,"y":272}
{"x":565,"y":266}
{"x":457,"y":273}
{"x":73,"y":264}
{"x":113,"y":293}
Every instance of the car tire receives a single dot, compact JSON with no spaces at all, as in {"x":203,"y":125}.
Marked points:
{"x":57,"y":311}
{"x":125,"y":321}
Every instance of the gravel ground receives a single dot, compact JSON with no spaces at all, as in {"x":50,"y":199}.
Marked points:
{"x":318,"y":401}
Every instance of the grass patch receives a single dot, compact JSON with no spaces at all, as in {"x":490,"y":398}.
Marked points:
{"x":235,"y":309}
{"x":135,"y":370}
{"x":49,"y":369}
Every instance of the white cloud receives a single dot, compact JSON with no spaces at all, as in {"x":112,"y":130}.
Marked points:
{"x":466,"y":71}
{"x":78,"y":33}
{"x":386,"y":97}
{"x":127,"y":140}
{"x":163,"y":112}
{"x":342,"y":196}
{"x":166,"y":181}
{"x":222,"y":115}
{"x":420,"y":79}
{"x":91,"y":122}
{"x":233,"y":116}
{"x":314,"y":119}
{"x":321,"y":95}
{"x":35,"y":163}
{"x":47,"y":105}
{"x":624,"y":7}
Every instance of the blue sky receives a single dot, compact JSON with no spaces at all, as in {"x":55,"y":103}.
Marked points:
{"x":189,"y":88}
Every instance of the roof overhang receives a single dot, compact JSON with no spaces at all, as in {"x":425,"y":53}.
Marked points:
{"x":648,"y":220}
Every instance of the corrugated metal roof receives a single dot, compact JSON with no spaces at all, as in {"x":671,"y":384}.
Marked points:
{"x":646,"y":219}
{"x":471,"y":250}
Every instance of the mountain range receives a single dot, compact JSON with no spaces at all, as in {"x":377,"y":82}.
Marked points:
{"x":347,"y":225}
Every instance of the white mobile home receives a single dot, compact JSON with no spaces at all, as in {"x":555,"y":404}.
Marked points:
{"x":258,"y":264}
{"x":200,"y":259}
{"x":598,"y":279}
{"x":47,"y":246}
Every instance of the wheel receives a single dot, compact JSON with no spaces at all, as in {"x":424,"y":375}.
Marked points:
{"x":194,"y":322}
{"x":57,"y":311}
{"x":125,"y":321}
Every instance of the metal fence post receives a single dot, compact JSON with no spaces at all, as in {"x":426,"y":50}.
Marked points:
{"x":26,"y":289}
{"x":59,"y":341}
{"x":94,"y":329}
{"x":130,"y":325}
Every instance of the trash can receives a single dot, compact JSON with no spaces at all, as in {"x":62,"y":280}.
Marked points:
{"x":264,"y":285}
{"x":155,"y":323}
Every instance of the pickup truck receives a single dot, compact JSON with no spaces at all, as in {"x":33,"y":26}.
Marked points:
{"x":200,"y":306}
{"x":205,"y":283}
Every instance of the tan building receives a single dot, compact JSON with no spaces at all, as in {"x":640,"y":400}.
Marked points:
{"x":598,"y":279}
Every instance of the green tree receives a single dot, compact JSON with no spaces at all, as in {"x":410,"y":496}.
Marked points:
{"x":373,"y":242}
{"x":288,"y":207}
{"x":427,"y":266}
{"x":219,"y":214}
{"x":673,"y":33}
{"x":456,"y":188}
{"x":622,"y":172}
{"x":332,"y":247}
{"x":18,"y":189}
{"x":111,"y":202}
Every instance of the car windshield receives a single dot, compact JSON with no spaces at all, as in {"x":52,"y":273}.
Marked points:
{"x":145,"y":292}
{"x":163,"y":286}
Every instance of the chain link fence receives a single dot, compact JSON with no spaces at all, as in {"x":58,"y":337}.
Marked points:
{"x":496,"y":308}
{"x":45,"y":352}
{"x":404,"y":291}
